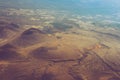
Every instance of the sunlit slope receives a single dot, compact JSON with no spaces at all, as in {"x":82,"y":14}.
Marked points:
{"x":74,"y":54}
{"x":42,"y":40}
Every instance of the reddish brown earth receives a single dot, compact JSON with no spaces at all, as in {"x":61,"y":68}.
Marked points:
{"x":33,"y":54}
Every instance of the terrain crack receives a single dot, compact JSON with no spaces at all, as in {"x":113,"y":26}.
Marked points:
{"x":116,"y":72}
{"x":78,"y":60}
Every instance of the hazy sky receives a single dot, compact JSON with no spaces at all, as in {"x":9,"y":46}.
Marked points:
{"x":95,"y":3}
{"x":96,"y":6}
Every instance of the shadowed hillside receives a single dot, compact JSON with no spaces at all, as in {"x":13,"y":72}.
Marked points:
{"x":7,"y":29}
{"x":59,"y":40}
{"x":30,"y":37}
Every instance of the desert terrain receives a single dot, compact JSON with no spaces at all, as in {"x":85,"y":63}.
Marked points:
{"x":35,"y":45}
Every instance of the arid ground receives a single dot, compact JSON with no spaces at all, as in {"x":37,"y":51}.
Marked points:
{"x":40,"y":45}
